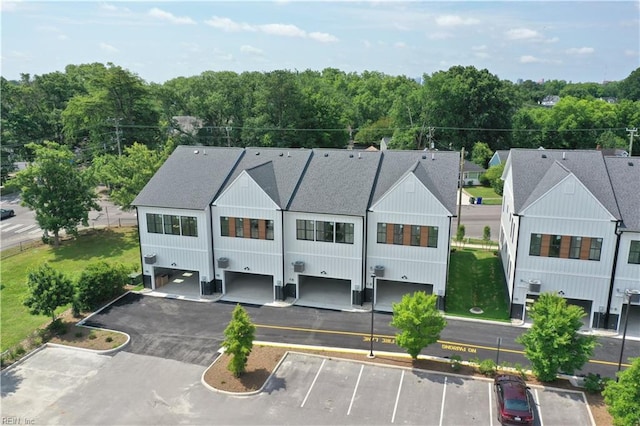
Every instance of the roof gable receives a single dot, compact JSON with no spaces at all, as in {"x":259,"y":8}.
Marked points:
{"x":244,"y":191}
{"x":190,"y":178}
{"x":625,"y":179}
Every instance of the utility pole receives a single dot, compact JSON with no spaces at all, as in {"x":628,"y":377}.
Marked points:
{"x":632,"y":134}
{"x":461,"y":181}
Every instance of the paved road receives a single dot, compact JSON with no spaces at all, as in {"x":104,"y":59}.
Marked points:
{"x":192,"y":332}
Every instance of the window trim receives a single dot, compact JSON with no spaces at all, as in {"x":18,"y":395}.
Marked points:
{"x":634,"y":252}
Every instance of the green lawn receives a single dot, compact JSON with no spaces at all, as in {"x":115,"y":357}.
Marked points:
{"x":113,"y":245}
{"x":476,"y":280}
{"x":488,"y":195}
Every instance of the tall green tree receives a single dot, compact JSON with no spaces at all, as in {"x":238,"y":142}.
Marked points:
{"x":553,"y":343}
{"x":494,"y":176}
{"x":623,"y":396}
{"x":629,"y":88}
{"x":58,"y":191}
{"x":126,"y":175}
{"x":238,"y":341}
{"x":418,"y":320}
{"x":48,"y":290}
{"x":481,"y":154}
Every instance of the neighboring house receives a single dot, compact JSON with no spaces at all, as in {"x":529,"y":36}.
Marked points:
{"x":499,"y":157}
{"x":471,"y":173}
{"x":302,"y":224}
{"x":550,"y":100}
{"x":559,"y":230}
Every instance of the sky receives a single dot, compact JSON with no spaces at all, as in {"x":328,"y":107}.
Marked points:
{"x":575,"y":41}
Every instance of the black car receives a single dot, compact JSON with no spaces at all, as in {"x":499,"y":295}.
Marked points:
{"x":6,"y":213}
{"x":515,"y":406}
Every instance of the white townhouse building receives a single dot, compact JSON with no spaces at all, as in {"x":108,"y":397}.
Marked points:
{"x":560,"y":231}
{"x":266,"y":224}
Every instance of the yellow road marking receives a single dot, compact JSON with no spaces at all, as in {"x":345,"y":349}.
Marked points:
{"x":387,"y":339}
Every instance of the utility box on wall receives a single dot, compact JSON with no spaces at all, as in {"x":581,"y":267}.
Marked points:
{"x":223,"y":262}
{"x":378,"y":270}
{"x":298,"y":266}
{"x":150,"y":259}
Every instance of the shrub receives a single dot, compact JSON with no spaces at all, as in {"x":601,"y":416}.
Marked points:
{"x":521,"y":371}
{"x":18,"y":351}
{"x":593,"y":383}
{"x":92,"y":336}
{"x":78,"y":334}
{"x":109,"y":339}
{"x":100,"y":282}
{"x":57,"y":327}
{"x":487,"y":367}
{"x":456,"y":362}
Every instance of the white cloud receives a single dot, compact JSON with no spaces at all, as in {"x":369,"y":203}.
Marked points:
{"x":580,"y":50}
{"x":479,"y":48}
{"x":323,"y":37}
{"x":226,"y":24}
{"x":400,"y":44}
{"x":522,"y":34}
{"x":481,"y":55}
{"x":170,"y":17}
{"x":285,"y":30}
{"x":528,"y":59}
{"x":111,"y":9}
{"x":108,"y":7}
{"x":107,"y":47}
{"x":630,"y":53}
{"x":439,"y":36}
{"x":455,"y":21}
{"x":251,"y":50}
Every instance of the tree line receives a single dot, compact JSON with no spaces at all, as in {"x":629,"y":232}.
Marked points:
{"x":96,"y":109}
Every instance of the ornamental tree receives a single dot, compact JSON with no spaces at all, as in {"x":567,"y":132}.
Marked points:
{"x":418,"y":320}
{"x":238,"y":342}
{"x":623,"y":397}
{"x":48,"y":290}
{"x":553,"y":343}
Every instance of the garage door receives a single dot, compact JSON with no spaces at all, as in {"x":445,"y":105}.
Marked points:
{"x":177,"y":282}
{"x":389,"y":292}
{"x":253,"y":289}
{"x":327,"y":293}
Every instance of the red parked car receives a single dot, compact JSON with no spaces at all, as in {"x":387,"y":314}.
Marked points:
{"x":515,"y":405}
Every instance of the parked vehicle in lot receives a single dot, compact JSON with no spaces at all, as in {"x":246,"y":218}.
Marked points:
{"x":6,"y":213}
{"x":515,"y":405}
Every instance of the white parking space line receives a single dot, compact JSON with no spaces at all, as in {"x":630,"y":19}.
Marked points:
{"x":313,"y":383}
{"x":4,"y":224}
{"x":490,"y":385}
{"x":395,"y":407}
{"x":355,"y":389}
{"x":26,"y":228}
{"x":12,"y":227}
{"x":537,"y":402}
{"x":35,"y":231}
{"x":444,"y":393}
{"x":586,"y":404}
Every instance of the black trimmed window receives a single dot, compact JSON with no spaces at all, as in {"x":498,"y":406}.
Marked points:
{"x":432,"y":240}
{"x":634,"y":252}
{"x":324,"y":231}
{"x":269,"y":226}
{"x":398,"y":233}
{"x":555,"y":244}
{"x":224,"y":226}
{"x":189,"y":226}
{"x":304,"y":229}
{"x":154,"y":223}
{"x":574,"y":247}
{"x":595,"y":249}
{"x":382,"y":233}
{"x":171,"y":224}
{"x":239,"y":227}
{"x":344,"y":233}
{"x":535,"y":245}
{"x":255,"y":228}
{"x":415,"y":235}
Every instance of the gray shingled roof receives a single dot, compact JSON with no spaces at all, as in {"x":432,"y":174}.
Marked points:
{"x":189,"y":180}
{"x":438,"y":171}
{"x":502,"y":155}
{"x":625,"y":178}
{"x":337,"y":182}
{"x":530,"y":166}
{"x":470,"y":166}
{"x":287,"y":166}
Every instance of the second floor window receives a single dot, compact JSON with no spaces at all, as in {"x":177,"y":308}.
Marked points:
{"x":634,"y":252}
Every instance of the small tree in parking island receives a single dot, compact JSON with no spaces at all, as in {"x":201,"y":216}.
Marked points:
{"x":553,"y":343}
{"x":419,"y":320}
{"x":48,"y":290}
{"x":238,"y":341}
{"x":623,"y":397}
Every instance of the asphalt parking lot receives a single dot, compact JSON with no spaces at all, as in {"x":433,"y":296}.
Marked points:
{"x":66,"y":386}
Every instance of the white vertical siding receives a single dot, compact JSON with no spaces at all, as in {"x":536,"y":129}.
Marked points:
{"x":627,"y":274}
{"x":342,"y":261}
{"x":188,"y":253}
{"x":410,"y":203}
{"x":244,"y":198}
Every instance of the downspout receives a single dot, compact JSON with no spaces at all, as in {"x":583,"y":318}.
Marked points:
{"x":213,"y":250}
{"x":363,"y":270}
{"x":446,"y":282}
{"x":282,"y":238}
{"x":613,"y":274}
{"x":140,"y":251}
{"x":515,"y":263}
